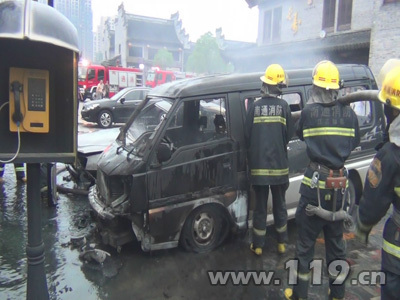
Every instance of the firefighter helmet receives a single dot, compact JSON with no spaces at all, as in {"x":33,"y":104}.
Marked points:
{"x":390,"y":91}
{"x":274,"y":75}
{"x":326,"y":75}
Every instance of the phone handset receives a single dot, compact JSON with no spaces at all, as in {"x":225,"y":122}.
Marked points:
{"x":17,"y":88}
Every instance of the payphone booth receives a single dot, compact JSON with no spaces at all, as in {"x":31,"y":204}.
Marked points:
{"x":38,"y":105}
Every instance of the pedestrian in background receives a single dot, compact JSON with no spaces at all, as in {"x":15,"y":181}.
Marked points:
{"x":330,"y":131}
{"x":99,"y":90}
{"x":382,"y":188}
{"x":269,"y":128}
{"x":19,"y":171}
{"x":106,"y":92}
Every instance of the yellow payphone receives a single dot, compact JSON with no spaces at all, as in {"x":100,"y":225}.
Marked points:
{"x":29,"y":100}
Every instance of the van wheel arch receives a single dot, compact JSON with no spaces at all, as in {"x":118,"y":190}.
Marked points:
{"x":357,"y":183}
{"x":194,"y":238}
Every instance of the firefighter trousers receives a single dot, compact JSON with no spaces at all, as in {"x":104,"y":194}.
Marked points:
{"x":308,"y":229}
{"x":391,"y":289}
{"x":260,"y":213}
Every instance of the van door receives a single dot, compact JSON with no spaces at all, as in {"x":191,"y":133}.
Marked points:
{"x":202,"y":163}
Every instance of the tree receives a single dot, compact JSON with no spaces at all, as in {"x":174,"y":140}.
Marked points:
{"x":206,"y":57}
{"x":163,"y":59}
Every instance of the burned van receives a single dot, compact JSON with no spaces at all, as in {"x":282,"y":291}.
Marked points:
{"x":177,"y":173}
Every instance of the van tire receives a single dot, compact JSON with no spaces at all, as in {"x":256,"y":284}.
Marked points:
{"x":202,"y":230}
{"x":105,"y":119}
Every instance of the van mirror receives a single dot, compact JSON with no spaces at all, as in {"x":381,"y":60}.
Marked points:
{"x":164,"y":153}
{"x":122,"y":100}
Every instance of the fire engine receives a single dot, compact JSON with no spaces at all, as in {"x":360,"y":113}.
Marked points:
{"x":118,"y":78}
{"x":156,"y":76}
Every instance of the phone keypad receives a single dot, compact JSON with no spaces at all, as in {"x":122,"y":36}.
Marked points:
{"x":36,"y":94}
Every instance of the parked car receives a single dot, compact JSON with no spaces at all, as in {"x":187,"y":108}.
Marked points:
{"x":117,"y":109}
{"x":185,"y":182}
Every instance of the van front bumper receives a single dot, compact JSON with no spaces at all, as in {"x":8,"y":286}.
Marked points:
{"x":98,"y":206}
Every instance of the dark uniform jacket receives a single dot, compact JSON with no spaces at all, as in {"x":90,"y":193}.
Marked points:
{"x":269,"y":128}
{"x":331,"y":132}
{"x":381,"y":189}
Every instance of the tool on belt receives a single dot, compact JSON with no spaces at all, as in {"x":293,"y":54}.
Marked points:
{"x":337,"y":183}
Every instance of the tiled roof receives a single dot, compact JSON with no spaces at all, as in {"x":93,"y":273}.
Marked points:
{"x":152,"y":30}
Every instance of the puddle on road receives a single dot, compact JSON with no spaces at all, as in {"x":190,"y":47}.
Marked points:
{"x":67,"y":276}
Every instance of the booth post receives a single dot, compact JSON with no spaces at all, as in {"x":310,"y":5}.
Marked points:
{"x":38,"y":100}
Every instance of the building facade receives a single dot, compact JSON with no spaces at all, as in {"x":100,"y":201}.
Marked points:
{"x":79,"y":12}
{"x":299,"y":33}
{"x":134,"y":40}
{"x":385,"y":33}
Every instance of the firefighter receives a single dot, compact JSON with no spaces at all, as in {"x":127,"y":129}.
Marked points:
{"x":269,"y":128}
{"x":19,"y":171}
{"x":382,"y":188}
{"x":330,"y":131}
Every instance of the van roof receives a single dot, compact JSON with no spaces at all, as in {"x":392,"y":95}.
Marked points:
{"x":215,"y":84}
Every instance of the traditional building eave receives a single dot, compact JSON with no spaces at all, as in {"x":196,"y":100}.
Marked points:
{"x":343,"y":41}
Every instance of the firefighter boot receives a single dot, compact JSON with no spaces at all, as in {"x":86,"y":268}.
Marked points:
{"x":289,"y":295}
{"x":281,"y":248}
{"x":333,"y":298}
{"x":257,"y":251}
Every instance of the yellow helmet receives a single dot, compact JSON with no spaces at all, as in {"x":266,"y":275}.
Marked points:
{"x":274,"y":74}
{"x":390,"y":91}
{"x":326,"y":75}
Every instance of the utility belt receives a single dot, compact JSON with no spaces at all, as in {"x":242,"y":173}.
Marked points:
{"x":396,"y":216}
{"x":335,"y":180}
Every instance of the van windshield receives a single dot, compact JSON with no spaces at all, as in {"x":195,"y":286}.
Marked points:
{"x":148,"y":119}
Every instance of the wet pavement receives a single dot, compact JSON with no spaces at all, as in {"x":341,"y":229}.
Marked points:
{"x":133,"y":274}
{"x":164,"y":274}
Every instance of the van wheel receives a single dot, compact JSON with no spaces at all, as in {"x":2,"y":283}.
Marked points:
{"x":202,"y":230}
{"x":94,"y":95}
{"x":350,"y":206}
{"x":105,"y":119}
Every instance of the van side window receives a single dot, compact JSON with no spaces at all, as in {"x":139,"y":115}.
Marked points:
{"x":294,"y":101}
{"x":198,"y":121}
{"x":361,"y":108}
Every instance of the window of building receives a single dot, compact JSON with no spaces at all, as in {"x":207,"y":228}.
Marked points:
{"x":175,"y":55}
{"x":276,"y":25}
{"x":152,"y":53}
{"x":337,"y":12}
{"x":328,"y":17}
{"x":272,"y":25}
{"x":344,"y":14}
{"x":136,"y":51}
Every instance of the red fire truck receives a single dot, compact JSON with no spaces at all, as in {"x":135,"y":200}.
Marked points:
{"x":118,"y":78}
{"x":157,"y":76}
